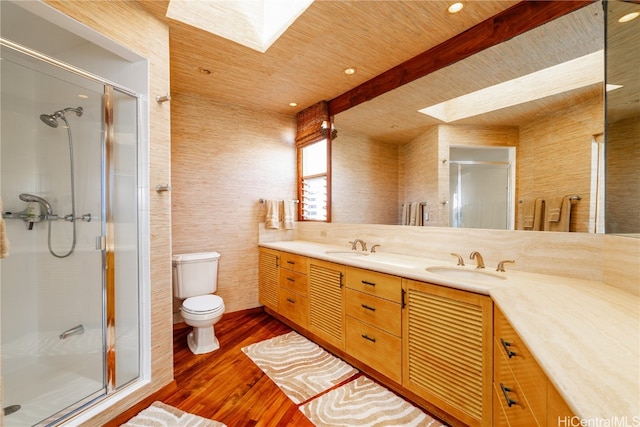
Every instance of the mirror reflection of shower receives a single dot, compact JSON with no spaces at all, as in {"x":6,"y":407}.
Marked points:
{"x":52,"y":120}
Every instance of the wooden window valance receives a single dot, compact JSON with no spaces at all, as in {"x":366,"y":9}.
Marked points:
{"x":313,"y":124}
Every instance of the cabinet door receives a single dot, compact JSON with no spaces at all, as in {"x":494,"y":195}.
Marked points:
{"x":268,"y":278}
{"x":530,"y":377}
{"x":326,"y":301}
{"x":294,"y":307}
{"x":376,"y":348}
{"x":447,"y":350}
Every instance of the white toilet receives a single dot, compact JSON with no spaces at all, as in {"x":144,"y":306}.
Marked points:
{"x":195,"y":279}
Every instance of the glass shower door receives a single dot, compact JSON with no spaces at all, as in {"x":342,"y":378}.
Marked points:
{"x":51,"y":150}
{"x":480,"y":195}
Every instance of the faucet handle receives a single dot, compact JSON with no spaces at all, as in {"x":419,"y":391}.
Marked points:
{"x":501,"y":264}
{"x":373,"y":248}
{"x":460,"y":259}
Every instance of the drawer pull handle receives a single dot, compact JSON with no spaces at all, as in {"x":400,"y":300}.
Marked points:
{"x":367,"y":337}
{"x":505,"y":391}
{"x":291,"y":279}
{"x":506,"y":346}
{"x":292,"y":301}
{"x":290,"y":262}
{"x":365,"y":306}
{"x":368,"y":283}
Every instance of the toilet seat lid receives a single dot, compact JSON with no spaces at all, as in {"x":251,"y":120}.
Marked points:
{"x":202,"y":304}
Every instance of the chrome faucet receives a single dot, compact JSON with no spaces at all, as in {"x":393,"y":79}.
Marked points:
{"x":354,"y":244}
{"x":76,"y":330}
{"x":479,"y":261}
{"x":501,"y":264}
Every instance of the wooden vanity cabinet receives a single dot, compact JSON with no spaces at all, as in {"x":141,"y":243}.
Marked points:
{"x":447,"y":346}
{"x":374,"y":319}
{"x":268,"y":264}
{"x":293,"y":302}
{"x":523,"y":395}
{"x":326,"y":301}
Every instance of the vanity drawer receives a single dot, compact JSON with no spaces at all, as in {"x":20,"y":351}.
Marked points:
{"x":293,"y":306}
{"x":506,"y":387}
{"x":374,"y":347}
{"x":379,"y":284}
{"x":294,"y":262}
{"x":294,"y":281}
{"x":378,"y":312}
{"x":525,"y":369}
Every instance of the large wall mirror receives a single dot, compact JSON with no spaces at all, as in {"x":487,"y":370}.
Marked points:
{"x":623,"y":118}
{"x":540,"y":94}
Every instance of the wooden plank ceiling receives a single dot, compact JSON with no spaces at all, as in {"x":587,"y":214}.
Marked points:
{"x":306,"y":63}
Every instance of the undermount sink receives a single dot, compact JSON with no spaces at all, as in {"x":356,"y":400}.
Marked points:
{"x":348,"y":254}
{"x":463,"y":273}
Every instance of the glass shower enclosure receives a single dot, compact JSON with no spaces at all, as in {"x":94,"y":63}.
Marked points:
{"x":481,"y":190}
{"x":69,"y":286}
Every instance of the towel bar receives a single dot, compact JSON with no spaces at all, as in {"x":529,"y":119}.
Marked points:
{"x":575,"y":197}
{"x":264,"y":200}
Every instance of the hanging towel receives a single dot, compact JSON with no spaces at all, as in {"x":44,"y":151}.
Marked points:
{"x":289,"y":214}
{"x":272,"y":218}
{"x":531,"y":214}
{"x":4,"y":241}
{"x":405,"y":213}
{"x":557,"y":215}
{"x":413,"y":213}
{"x":538,"y":214}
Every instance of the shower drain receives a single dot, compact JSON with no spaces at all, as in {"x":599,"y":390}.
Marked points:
{"x":11,"y":409}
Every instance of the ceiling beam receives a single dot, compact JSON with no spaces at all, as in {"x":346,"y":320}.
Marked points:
{"x":509,"y":23}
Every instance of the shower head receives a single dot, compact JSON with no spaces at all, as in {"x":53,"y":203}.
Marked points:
{"x":49,"y":120}
{"x":52,"y":119}
{"x":26,"y":197}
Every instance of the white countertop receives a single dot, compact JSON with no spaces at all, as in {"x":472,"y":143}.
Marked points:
{"x":584,"y":334}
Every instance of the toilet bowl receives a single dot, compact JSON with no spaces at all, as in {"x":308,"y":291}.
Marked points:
{"x":195,"y":280}
{"x":202,"y":312}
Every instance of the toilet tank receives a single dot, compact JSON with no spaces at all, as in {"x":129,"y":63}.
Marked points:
{"x":195,"y":274}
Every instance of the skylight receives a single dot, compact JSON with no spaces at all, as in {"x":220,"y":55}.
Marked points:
{"x":256,"y":24}
{"x":574,"y":74}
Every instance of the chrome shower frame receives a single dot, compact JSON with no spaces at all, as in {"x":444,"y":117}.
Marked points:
{"x":106,"y":242}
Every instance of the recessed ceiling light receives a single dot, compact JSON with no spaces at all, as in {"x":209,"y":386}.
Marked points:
{"x":455,"y":7}
{"x":629,"y":17}
{"x":204,"y":70}
{"x":83,"y":96}
{"x":293,"y":104}
{"x":349,"y":71}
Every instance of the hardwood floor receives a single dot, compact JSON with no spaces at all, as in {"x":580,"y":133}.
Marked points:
{"x":226,"y":385}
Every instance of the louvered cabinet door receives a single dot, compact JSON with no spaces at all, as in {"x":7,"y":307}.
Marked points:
{"x":447,"y":343}
{"x":326,"y":301}
{"x":268,"y":278}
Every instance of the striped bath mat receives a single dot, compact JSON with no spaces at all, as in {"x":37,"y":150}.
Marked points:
{"x":301,"y":368}
{"x":330,"y":391}
{"x":162,"y":415}
{"x":363,"y":402}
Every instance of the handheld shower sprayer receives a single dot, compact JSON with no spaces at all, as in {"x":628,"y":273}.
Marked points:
{"x":26,"y":197}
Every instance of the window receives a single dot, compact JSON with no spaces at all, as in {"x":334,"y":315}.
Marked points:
{"x":313,"y":142}
{"x":314,"y":180}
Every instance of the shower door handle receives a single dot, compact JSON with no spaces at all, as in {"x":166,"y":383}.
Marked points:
{"x":101,"y":243}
